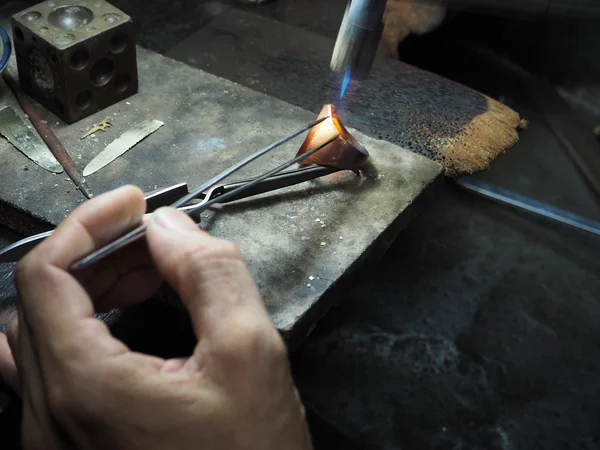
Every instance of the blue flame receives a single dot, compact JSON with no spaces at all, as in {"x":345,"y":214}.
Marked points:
{"x":346,"y":82}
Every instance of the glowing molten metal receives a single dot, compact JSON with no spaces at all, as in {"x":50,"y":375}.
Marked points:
{"x":345,"y":153}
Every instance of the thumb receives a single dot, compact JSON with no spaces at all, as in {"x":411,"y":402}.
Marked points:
{"x":209,"y":274}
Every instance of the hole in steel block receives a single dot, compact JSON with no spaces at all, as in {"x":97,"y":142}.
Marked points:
{"x":40,"y":71}
{"x":102,"y":72}
{"x":118,"y":43}
{"x":70,"y":17}
{"x":84,"y":100}
{"x":59,"y":106}
{"x":31,"y":16}
{"x":111,"y":18}
{"x":79,"y":59}
{"x":52,"y":56}
{"x":64,"y":39}
{"x":19,"y":34}
{"x":122,"y":82}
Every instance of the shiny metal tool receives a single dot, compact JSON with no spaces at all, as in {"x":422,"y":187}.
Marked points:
{"x":23,"y":138}
{"x":529,"y":205}
{"x":358,"y":38}
{"x":225,"y":193}
{"x":122,"y":144}
{"x":154,"y":200}
{"x":46,"y":133}
{"x":362,"y":27}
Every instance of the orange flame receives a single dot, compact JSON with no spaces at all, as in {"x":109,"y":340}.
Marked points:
{"x":345,"y":153}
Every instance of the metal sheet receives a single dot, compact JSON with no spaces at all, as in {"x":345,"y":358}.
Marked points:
{"x":118,"y":147}
{"x":16,"y":131}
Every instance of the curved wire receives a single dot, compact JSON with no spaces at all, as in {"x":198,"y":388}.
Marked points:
{"x":6,"y":49}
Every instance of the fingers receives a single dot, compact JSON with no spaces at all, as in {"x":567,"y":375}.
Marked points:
{"x":54,"y":304}
{"x":209,"y":274}
{"x":92,"y":225}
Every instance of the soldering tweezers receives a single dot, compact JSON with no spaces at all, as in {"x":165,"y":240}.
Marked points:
{"x":166,"y":196}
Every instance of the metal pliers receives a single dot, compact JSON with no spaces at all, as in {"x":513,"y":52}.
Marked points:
{"x":166,"y":196}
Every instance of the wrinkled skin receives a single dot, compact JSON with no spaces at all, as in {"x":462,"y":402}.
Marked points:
{"x":82,"y":388}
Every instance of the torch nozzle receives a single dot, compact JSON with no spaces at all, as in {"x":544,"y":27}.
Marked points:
{"x":358,"y":38}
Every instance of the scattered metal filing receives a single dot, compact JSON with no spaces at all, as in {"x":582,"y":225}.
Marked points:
{"x":121,"y":145}
{"x":54,"y":144}
{"x":16,"y":131}
{"x":100,"y":126}
{"x":75,"y":57}
{"x":216,"y":194}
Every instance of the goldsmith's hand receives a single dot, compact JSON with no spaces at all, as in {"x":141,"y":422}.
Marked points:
{"x":84,"y":389}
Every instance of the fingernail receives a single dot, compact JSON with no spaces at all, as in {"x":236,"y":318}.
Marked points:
{"x":170,"y":219}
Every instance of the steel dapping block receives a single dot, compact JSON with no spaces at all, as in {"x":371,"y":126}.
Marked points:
{"x":75,"y":57}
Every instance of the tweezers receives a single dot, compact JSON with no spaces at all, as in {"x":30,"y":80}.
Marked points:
{"x":223,"y":193}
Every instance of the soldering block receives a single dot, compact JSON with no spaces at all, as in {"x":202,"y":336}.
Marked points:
{"x":75,"y":57}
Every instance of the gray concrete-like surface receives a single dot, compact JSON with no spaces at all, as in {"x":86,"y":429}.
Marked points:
{"x":299,"y":241}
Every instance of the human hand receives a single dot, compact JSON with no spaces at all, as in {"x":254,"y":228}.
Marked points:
{"x":82,"y":388}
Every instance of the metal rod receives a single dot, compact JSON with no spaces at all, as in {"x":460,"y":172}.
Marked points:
{"x":279,"y":181}
{"x":140,"y":231}
{"x":46,"y":133}
{"x":244,"y":162}
{"x":160,"y":197}
{"x":529,"y":205}
{"x":223,"y":198}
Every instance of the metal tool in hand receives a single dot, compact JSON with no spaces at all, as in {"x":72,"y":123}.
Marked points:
{"x":166,"y":196}
{"x":209,"y":193}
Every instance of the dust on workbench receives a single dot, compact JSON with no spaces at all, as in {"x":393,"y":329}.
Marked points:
{"x":210,"y":124}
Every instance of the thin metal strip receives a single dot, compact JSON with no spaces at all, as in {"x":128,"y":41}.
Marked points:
{"x":122,"y":144}
{"x":16,"y":131}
